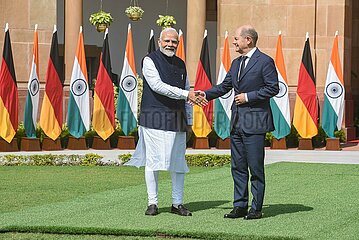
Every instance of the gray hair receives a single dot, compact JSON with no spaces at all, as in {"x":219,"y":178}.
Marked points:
{"x":167,"y":30}
{"x":250,"y":32}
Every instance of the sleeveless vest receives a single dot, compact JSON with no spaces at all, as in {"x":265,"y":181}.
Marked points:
{"x":158,"y":111}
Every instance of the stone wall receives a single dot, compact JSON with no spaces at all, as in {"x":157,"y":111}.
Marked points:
{"x":320,"y":18}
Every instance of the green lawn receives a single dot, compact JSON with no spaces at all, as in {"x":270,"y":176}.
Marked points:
{"x":303,"y":201}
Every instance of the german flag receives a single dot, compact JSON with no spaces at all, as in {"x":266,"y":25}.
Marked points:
{"x":51,"y":110}
{"x":305,"y":118}
{"x":151,"y":43}
{"x":104,"y":110}
{"x":203,"y":116}
{"x":8,"y":92}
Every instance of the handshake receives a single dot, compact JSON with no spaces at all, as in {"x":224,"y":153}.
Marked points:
{"x":197,"y":97}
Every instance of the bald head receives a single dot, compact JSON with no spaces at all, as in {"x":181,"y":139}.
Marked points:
{"x":249,"y":31}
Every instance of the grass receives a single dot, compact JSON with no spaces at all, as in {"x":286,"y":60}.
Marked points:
{"x":39,"y":236}
{"x":303,"y":201}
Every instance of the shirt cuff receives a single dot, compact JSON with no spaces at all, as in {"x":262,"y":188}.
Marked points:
{"x":246,"y":97}
{"x":185,"y":94}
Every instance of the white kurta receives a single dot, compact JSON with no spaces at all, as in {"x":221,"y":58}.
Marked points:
{"x":159,"y":149}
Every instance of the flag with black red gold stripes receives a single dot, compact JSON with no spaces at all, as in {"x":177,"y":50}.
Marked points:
{"x":203,"y":116}
{"x":305,"y":118}
{"x":8,"y":92}
{"x":51,"y":110}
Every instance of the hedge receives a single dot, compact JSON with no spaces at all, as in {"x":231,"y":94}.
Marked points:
{"x":201,"y":160}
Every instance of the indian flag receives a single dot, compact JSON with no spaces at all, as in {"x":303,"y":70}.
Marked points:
{"x":222,"y":113}
{"x":78,"y":118}
{"x":33,"y":93}
{"x":280,"y":103}
{"x":333,"y":94}
{"x":180,"y":49}
{"x":127,"y":96}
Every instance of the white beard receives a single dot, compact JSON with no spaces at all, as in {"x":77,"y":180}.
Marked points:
{"x":166,"y":52}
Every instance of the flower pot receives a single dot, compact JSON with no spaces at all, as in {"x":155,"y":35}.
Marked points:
{"x":135,"y":16}
{"x":223,"y":144}
{"x":126,"y":142}
{"x":30,"y":144}
{"x":51,"y":145}
{"x":99,"y":143}
{"x":278,"y":143}
{"x":201,"y":143}
{"x":101,"y":27}
{"x":333,"y":144}
{"x":77,"y":143}
{"x":305,"y":144}
{"x":8,"y":147}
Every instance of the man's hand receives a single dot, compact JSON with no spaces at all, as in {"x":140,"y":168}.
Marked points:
{"x":197,"y":97}
{"x":240,"y":99}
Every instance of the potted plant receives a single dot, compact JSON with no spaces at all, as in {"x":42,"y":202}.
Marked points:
{"x":101,"y":20}
{"x":134,"y":13}
{"x":166,"y":21}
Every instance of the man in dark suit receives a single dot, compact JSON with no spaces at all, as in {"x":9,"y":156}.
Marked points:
{"x":254,"y":78}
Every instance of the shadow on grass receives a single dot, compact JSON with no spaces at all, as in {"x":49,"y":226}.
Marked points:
{"x":272,"y":210}
{"x":198,"y":206}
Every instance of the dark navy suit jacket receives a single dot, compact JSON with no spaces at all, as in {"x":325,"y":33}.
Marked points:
{"x":260,"y":81}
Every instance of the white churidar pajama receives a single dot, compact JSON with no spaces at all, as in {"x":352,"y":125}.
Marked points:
{"x":162,"y":150}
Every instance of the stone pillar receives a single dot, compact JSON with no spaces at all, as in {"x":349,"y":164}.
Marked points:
{"x":196,"y":21}
{"x":351,"y":68}
{"x":73,"y":21}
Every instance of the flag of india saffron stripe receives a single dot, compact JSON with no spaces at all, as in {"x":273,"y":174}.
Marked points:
{"x":33,"y":93}
{"x":127,"y":96}
{"x":280,"y":103}
{"x":180,"y":49}
{"x":78,"y":120}
{"x":222,"y":112}
{"x":333,"y":94}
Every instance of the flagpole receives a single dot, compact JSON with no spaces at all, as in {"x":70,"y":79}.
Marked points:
{"x":280,"y":32}
{"x":6,"y":27}
{"x":306,"y":35}
{"x":106,"y":32}
{"x":80,"y":29}
{"x":336,"y":33}
{"x":151,"y":34}
{"x":35,"y":27}
{"x":55,"y":29}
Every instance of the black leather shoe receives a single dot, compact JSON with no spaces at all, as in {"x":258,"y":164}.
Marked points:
{"x":152,"y":210}
{"x":253,"y":214}
{"x":236,"y":212}
{"x":181,"y":210}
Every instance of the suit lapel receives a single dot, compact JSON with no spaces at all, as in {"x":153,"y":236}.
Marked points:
{"x":252,"y":61}
{"x":236,"y":70}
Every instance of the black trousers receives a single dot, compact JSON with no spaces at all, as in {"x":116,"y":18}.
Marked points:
{"x":247,"y":153}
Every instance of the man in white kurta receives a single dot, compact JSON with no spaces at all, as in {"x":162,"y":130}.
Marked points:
{"x":159,"y":148}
